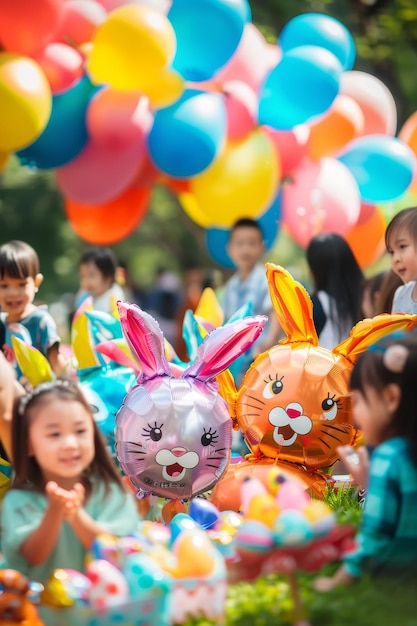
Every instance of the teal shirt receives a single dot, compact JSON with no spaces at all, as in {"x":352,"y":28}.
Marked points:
{"x":387,"y":539}
{"x":22,"y":512}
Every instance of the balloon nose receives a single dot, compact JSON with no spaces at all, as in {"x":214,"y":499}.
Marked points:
{"x":178,"y":451}
{"x":292,"y":413}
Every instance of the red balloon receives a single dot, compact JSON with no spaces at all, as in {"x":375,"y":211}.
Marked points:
{"x":105,"y":224}
{"x":27,"y":26}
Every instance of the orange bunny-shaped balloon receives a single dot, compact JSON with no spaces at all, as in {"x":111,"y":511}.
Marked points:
{"x":293,"y":406}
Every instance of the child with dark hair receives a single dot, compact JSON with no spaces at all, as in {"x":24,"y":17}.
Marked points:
{"x":98,"y":278}
{"x":337,"y":280}
{"x":66,"y":488}
{"x":20,"y":279}
{"x":384,"y":403}
{"x":401,"y":244}
{"x":249,"y":285}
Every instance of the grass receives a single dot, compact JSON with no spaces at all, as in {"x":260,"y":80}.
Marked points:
{"x":268,"y":600}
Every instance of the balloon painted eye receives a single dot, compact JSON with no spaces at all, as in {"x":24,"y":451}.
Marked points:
{"x":154,"y":432}
{"x":327,"y":404}
{"x":330,"y":407}
{"x":273,"y":387}
{"x":209,"y":438}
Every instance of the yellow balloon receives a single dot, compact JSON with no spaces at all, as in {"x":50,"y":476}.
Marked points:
{"x":241,"y":182}
{"x":4,"y":157}
{"x":165,"y":89}
{"x":193,"y":210}
{"x":25,"y":101}
{"x":131,"y":48}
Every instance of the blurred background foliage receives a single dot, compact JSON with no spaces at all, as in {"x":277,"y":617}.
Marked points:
{"x":31,"y":207}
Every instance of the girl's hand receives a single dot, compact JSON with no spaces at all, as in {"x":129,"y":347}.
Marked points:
{"x":324,"y":584}
{"x":58,"y":497}
{"x":356,"y":461}
{"x":327,"y":583}
{"x":76,"y":502}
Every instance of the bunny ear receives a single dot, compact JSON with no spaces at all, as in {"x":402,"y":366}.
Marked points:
{"x":118,"y":351}
{"x":103,"y":326}
{"x":369,"y":331}
{"x":209,"y":308}
{"x":223,"y":345}
{"x":81,"y":341}
{"x":192,"y":333}
{"x":34,"y":365}
{"x":145,"y":339}
{"x":292,"y":305}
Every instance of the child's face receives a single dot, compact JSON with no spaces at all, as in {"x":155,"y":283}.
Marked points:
{"x":403,"y":253}
{"x":245,"y":248}
{"x":92,"y":280}
{"x":61,"y":438}
{"x":373,"y":413}
{"x":17,"y":295}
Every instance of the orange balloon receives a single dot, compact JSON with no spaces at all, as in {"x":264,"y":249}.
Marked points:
{"x":108,"y":223}
{"x":367,"y":239}
{"x":343,"y":122}
{"x":408,"y":133}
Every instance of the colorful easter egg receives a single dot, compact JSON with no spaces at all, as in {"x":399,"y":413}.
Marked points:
{"x":291,"y":528}
{"x":320,"y":516}
{"x":108,"y":585}
{"x":253,"y":537}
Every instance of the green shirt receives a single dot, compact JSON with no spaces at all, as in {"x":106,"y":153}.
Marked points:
{"x":387,"y":539}
{"x":22,"y":512}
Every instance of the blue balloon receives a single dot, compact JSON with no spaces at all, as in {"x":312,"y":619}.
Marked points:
{"x":204,"y":512}
{"x":301,"y":87}
{"x":187,"y":136}
{"x":208,"y":33}
{"x":218,"y":238}
{"x":318,"y":29}
{"x":66,"y":132}
{"x":105,"y":389}
{"x":383,"y":167}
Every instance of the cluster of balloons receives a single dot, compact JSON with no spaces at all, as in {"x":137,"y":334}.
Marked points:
{"x":115,"y":96}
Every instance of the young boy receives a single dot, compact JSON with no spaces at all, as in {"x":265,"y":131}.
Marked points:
{"x":246,"y":248}
{"x":20,"y":280}
{"x":98,"y":269}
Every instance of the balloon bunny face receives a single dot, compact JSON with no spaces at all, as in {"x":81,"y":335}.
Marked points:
{"x":294,"y":404}
{"x":173,"y":432}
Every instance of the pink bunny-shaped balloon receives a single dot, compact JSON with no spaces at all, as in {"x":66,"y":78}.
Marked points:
{"x":173,"y":432}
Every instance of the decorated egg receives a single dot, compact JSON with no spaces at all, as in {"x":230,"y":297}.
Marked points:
{"x":143,"y":575}
{"x":320,"y":516}
{"x":263,"y":508}
{"x":108,"y":585}
{"x":291,"y":528}
{"x":291,"y":495}
{"x":56,"y":592}
{"x":253,"y":537}
{"x":194,"y":554}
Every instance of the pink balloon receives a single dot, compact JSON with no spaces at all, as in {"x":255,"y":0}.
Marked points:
{"x":290,"y":145}
{"x":323,"y":198}
{"x":80,"y":19}
{"x":241,"y":109}
{"x":100,"y":173}
{"x":118,"y":118}
{"x":162,"y":6}
{"x":174,"y":433}
{"x":252,"y":61}
{"x":374,"y":98}
{"x":62,"y":65}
